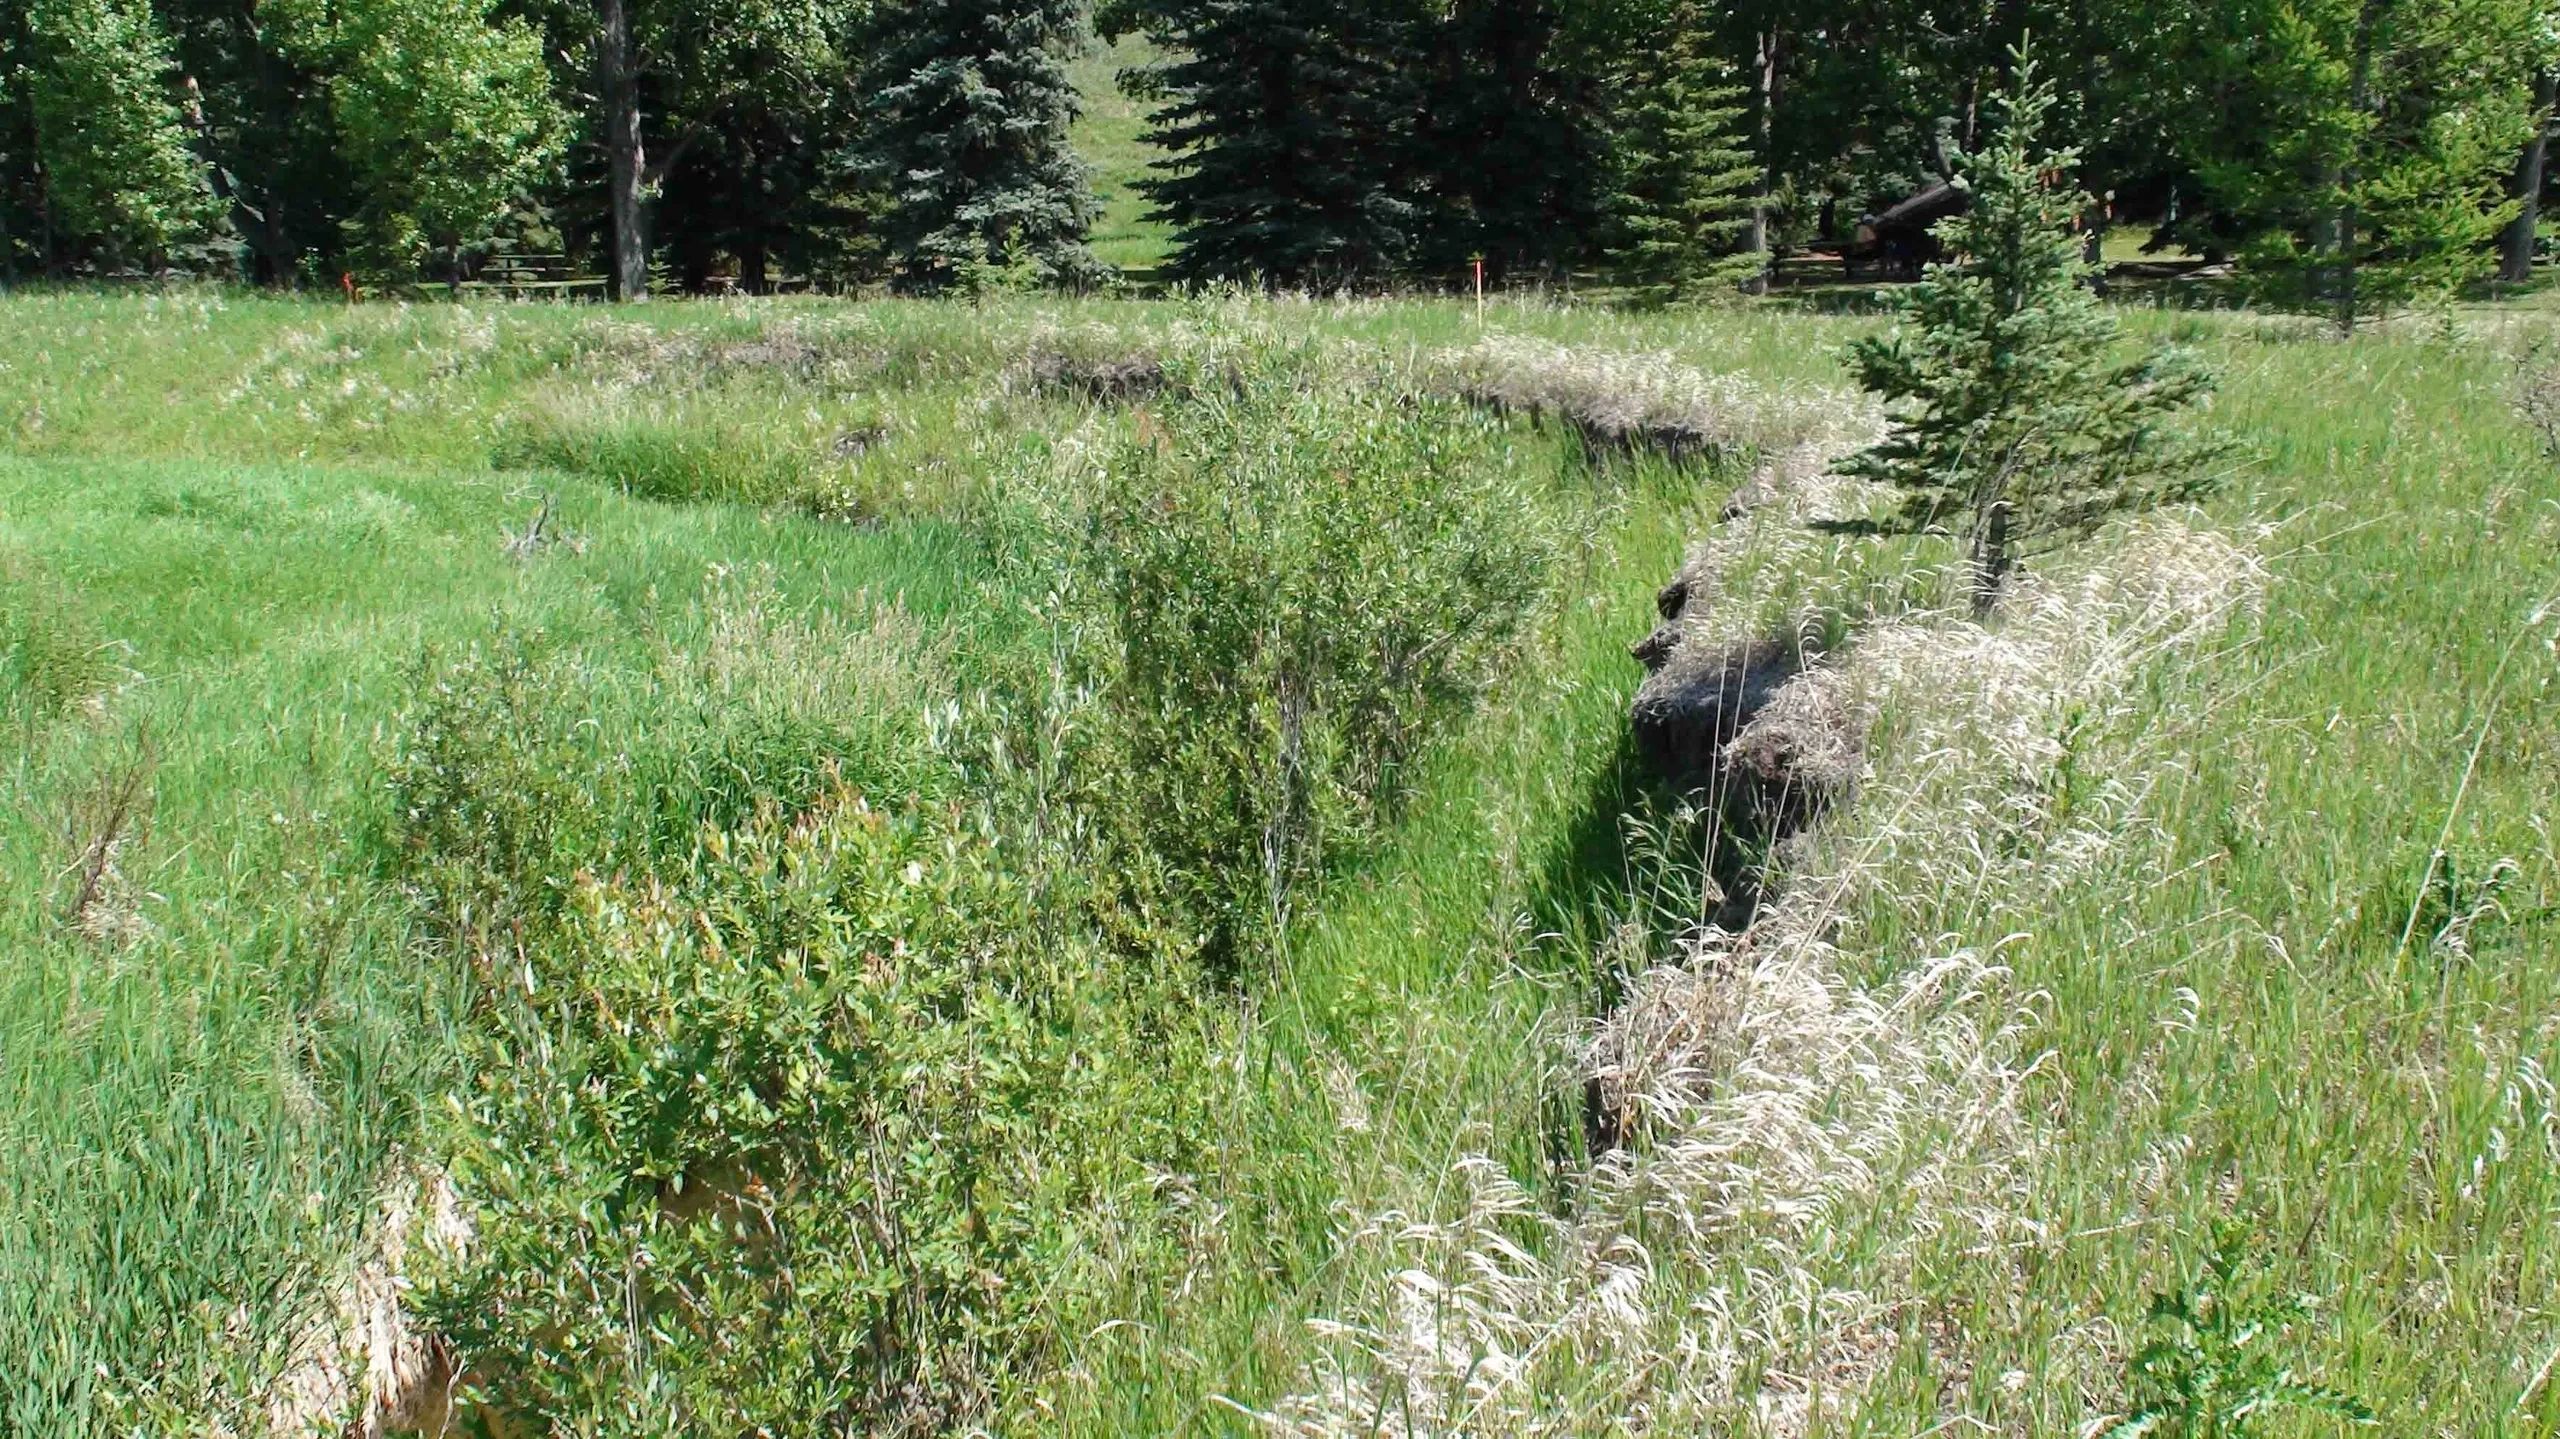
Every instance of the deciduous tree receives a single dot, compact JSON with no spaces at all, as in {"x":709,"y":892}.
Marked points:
{"x":444,"y":115}
{"x":117,"y":173}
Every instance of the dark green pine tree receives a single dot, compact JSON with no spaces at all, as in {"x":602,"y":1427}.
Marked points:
{"x":1681,"y":180}
{"x":2014,"y":422}
{"x":969,"y":142}
{"x":1512,"y":135}
{"x":1291,"y":129}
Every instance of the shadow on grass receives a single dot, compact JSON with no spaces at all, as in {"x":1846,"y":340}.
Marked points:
{"x":1640,"y":864}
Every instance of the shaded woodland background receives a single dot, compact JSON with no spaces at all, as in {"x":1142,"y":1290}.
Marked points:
{"x":2343,"y":153}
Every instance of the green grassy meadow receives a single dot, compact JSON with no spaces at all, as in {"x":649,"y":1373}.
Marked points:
{"x":1109,"y":135}
{"x":2270,"y":925}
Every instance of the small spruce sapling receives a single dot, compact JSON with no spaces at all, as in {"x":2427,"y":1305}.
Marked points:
{"x":2012,"y":423}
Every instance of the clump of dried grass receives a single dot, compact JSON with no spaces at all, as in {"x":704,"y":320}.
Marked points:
{"x":104,"y":829}
{"x":1781,"y":555}
{"x":1094,"y":362}
{"x":362,"y":1368}
{"x":762,"y":651}
{"x":1805,"y":1137}
{"x":2537,"y":394}
{"x":843,"y":351}
{"x":1634,"y":400}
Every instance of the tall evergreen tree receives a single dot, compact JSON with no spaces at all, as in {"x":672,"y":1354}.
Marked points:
{"x":1682,"y":184}
{"x":970,"y":142}
{"x":117,"y":174}
{"x":2010,"y":422}
{"x":2360,"y":149}
{"x":1290,"y":128}
{"x":1511,"y":138}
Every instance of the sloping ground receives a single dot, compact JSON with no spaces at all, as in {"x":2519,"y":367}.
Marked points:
{"x":1108,"y":138}
{"x":2205,"y":903}
{"x":2209,"y":893}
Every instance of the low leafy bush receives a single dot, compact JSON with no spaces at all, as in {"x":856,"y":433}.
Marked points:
{"x":793,"y":1105}
{"x":492,"y":800}
{"x":2211,"y":1369}
{"x":1278,"y":593}
{"x":516,"y":770}
{"x":821,"y":1130}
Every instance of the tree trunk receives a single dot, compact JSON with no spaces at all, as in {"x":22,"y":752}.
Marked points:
{"x":618,"y":82}
{"x":259,"y":213}
{"x":1758,"y":238}
{"x":1991,"y":558}
{"x":45,"y":251}
{"x":2515,"y":243}
{"x":2359,"y":100}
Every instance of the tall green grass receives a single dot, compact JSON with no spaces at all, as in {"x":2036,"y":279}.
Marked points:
{"x":202,"y":1101}
{"x":2309,"y":994}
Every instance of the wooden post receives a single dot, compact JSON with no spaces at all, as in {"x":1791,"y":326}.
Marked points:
{"x":1479,"y":267}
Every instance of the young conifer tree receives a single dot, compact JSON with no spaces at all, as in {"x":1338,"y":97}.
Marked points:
{"x":1682,"y":179}
{"x":2013,"y":422}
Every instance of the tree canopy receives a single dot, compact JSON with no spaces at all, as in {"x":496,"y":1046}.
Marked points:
{"x":2349,"y":155}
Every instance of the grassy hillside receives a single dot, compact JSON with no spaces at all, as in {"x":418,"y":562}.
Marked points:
{"x":2205,"y":900}
{"x":1108,"y":138}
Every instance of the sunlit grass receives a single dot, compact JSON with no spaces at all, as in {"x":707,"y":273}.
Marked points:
{"x":2310,"y":988}
{"x":1109,"y":137}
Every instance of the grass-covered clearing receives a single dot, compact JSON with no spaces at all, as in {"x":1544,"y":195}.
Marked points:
{"x":2243,"y":920}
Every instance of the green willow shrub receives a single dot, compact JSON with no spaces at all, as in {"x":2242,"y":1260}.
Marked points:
{"x":820,"y":1133}
{"x":789,"y":1104}
{"x":492,"y":799}
{"x":1281,"y":590}
{"x":516,"y":769}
